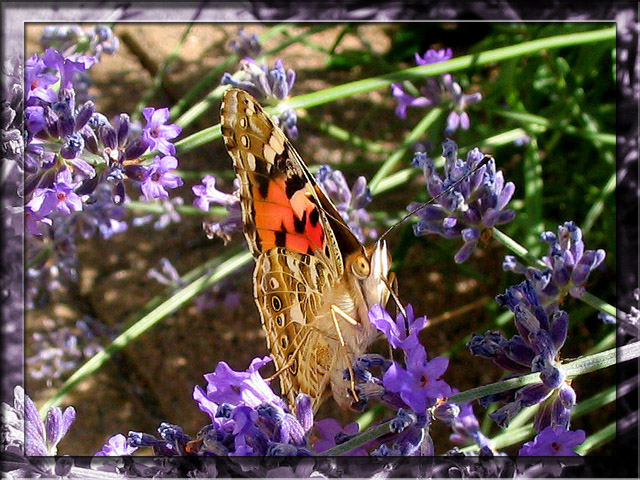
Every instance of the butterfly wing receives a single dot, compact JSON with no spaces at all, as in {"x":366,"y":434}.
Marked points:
{"x":298,"y":239}
{"x":290,"y":288}
{"x":281,"y":204}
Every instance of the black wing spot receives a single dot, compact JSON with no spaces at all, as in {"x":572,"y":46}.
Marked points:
{"x":309,"y":250}
{"x":263,"y":186}
{"x":299,"y":224}
{"x":276,"y":303}
{"x":314,"y":216}
{"x":281,"y":238}
{"x":294,"y":183}
{"x":327,"y":252}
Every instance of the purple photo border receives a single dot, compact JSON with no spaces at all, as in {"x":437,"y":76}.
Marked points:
{"x":625,"y":14}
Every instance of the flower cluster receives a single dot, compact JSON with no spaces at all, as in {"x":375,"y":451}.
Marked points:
{"x":350,"y":203}
{"x":468,"y":201}
{"x":73,"y":39}
{"x":76,"y":162}
{"x":411,"y":388}
{"x":71,"y":150}
{"x":57,"y":349}
{"x":568,"y":265}
{"x":541,"y":334}
{"x":246,"y":45}
{"x":437,"y":91}
{"x":247,"y":418}
{"x":24,"y":431}
{"x":268,"y":85}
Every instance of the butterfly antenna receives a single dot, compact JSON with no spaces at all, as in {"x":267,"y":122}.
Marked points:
{"x":395,"y":297}
{"x":482,"y":163}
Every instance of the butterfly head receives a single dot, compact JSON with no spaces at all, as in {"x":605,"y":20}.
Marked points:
{"x":370,"y":269}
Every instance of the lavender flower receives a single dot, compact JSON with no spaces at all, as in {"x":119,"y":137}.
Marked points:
{"x":71,"y":38}
{"x":413,"y":388}
{"x":156,"y":133}
{"x":246,"y":45}
{"x":401,"y":333}
{"x":569,"y":265}
{"x":436,"y":91}
{"x":247,"y":418}
{"x":473,"y":204}
{"x":158,"y":177}
{"x":42,"y":438}
{"x":331,"y":433}
{"x":465,"y":426}
{"x":418,"y":383}
{"x":350,"y":203}
{"x":553,"y":441}
{"x":116,"y":446}
{"x":541,"y":334}
{"x":60,"y":197}
{"x":208,"y":193}
{"x":268,"y":86}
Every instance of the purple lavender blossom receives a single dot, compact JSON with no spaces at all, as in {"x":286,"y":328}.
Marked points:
{"x":158,"y":177}
{"x":401,"y":333}
{"x":42,"y":438}
{"x":67,"y":66}
{"x":553,"y":441}
{"x":116,"y":446}
{"x":225,"y":385}
{"x":246,"y":45}
{"x":434,"y":56}
{"x":350,"y":203}
{"x":37,"y":81}
{"x":157,"y":133}
{"x":60,"y":197}
{"x":208,"y":193}
{"x":541,"y":334}
{"x":405,"y":100}
{"x":466,"y":204}
{"x":268,"y":86}
{"x":436,"y":91}
{"x":418,"y":385}
{"x":247,"y":418}
{"x":330,"y":432}
{"x":569,"y":265}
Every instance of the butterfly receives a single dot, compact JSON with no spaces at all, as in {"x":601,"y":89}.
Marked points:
{"x":314,"y":281}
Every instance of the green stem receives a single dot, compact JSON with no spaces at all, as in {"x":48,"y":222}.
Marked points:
{"x":358,"y":441}
{"x":396,"y":156}
{"x":572,"y":369}
{"x":369,"y":84}
{"x":543,"y":124}
{"x":157,"y":208}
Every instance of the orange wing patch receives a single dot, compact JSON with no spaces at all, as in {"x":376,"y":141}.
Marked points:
{"x":287,"y":218}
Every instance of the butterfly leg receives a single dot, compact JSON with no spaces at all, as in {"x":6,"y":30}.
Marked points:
{"x":335,"y":310}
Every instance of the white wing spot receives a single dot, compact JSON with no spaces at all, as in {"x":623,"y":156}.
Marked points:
{"x":269,"y":153}
{"x":251,"y":161}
